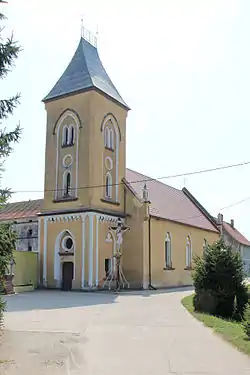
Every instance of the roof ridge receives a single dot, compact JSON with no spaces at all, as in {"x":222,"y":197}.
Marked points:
{"x":82,"y":40}
{"x":26,"y":201}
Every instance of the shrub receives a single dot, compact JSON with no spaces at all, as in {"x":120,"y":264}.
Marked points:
{"x":218,"y":281}
{"x":241,"y":301}
{"x":246,"y":324}
{"x":2,"y":308}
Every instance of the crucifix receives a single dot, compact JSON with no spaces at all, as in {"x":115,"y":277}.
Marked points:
{"x":118,"y":276}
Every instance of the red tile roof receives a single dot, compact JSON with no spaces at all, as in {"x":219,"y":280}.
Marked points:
{"x":20,"y":210}
{"x":168,"y":202}
{"x":235,"y":234}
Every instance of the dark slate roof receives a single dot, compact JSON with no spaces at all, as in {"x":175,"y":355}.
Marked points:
{"x":85,"y":72}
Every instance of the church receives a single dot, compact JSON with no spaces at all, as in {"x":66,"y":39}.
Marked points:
{"x":88,"y":191}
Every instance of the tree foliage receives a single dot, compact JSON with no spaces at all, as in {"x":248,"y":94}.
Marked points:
{"x":218,"y":281}
{"x":9,"y":51}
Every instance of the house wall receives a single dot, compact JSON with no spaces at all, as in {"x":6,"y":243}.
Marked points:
{"x":26,"y":268}
{"x":245,"y":253}
{"x":25,"y":240}
{"x":178,"y":276}
{"x":230,"y":241}
{"x":133,"y":241}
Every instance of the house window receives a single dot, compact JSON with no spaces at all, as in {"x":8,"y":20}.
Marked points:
{"x":168,"y":260}
{"x":66,"y":183}
{"x":68,"y":135}
{"x":188,"y":252}
{"x":108,"y":186}
{"x":71,"y":135}
{"x":65,"y":136}
{"x":107,"y":137}
{"x":29,"y":233}
{"x":111,"y":139}
{"x":204,"y":245}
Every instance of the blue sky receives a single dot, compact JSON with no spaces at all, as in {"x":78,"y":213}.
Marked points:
{"x":183,"y":68}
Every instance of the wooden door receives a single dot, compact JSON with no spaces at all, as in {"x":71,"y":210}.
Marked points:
{"x":67,"y":275}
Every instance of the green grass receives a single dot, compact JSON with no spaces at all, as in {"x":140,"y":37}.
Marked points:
{"x":230,"y":330}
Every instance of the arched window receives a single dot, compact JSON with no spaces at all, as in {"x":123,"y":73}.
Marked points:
{"x":168,"y":257}
{"x":204,"y":245}
{"x":71,"y":135}
{"x":107,"y":137}
{"x":108,"y":186}
{"x":65,"y":135}
{"x":66,"y":183}
{"x":188,"y":252}
{"x":111,"y":139}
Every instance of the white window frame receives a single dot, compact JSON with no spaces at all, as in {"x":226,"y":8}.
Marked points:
{"x":111,"y":139}
{"x":70,"y":138}
{"x":168,"y":250}
{"x":65,"y":135}
{"x":107,"y":137}
{"x":188,"y":252}
{"x":108,"y":186}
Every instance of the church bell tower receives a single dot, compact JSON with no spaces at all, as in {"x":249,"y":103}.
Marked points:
{"x":86,"y":137}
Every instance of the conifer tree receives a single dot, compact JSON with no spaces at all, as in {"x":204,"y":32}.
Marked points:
{"x":9,"y":50}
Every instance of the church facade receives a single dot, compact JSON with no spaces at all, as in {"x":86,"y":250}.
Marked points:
{"x":88,"y":189}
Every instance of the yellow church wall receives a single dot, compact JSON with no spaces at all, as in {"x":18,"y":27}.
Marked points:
{"x":92,"y":108}
{"x":80,"y":104}
{"x":133,"y":241}
{"x":100,"y":107}
{"x":26,"y":268}
{"x":178,"y":276}
{"x":54,"y":229}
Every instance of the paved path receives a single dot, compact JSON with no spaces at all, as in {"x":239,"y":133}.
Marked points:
{"x":104,"y":334}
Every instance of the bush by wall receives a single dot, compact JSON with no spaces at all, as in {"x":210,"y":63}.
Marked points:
{"x":218,"y":281}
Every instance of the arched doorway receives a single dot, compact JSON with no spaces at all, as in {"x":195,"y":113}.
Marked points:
{"x":67,"y":275}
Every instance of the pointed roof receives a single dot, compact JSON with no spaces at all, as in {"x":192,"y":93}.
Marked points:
{"x":85,"y":72}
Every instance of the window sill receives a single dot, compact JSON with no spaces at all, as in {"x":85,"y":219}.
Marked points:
{"x":69,"y":145}
{"x":109,"y":148}
{"x":168,"y":269}
{"x":188,"y":268}
{"x":66,"y":199}
{"x":110,"y":201}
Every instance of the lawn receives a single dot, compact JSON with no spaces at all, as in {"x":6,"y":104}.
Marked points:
{"x":230,"y":330}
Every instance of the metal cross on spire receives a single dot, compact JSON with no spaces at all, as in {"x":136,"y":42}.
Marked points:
{"x":88,"y":35}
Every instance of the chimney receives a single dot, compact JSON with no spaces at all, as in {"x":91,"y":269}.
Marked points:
{"x":220,"y":219}
{"x":232,"y":223}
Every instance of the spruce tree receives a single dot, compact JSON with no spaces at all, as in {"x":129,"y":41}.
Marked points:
{"x":9,"y":50}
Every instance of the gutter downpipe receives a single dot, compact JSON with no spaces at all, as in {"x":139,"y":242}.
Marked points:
{"x":150,"y":286}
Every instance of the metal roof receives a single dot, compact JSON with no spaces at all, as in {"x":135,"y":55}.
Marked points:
{"x":85,"y":72}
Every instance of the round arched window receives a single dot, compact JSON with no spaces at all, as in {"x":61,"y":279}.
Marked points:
{"x":67,"y":243}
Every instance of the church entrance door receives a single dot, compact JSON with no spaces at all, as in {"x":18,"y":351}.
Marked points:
{"x":67,"y":275}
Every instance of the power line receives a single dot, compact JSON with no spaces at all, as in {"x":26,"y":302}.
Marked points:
{"x":146,"y":179}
